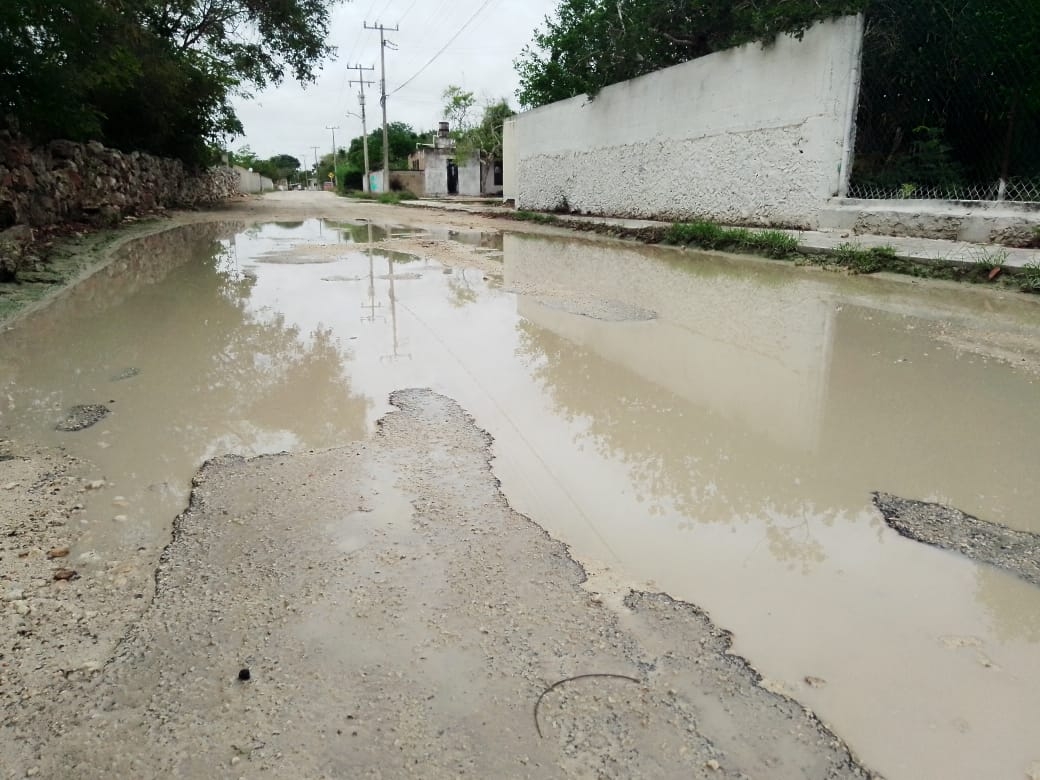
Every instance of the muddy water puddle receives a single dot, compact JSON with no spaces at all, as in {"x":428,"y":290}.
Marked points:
{"x":703,"y":426}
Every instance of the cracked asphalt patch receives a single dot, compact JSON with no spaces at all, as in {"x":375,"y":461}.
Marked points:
{"x":950,"y":529}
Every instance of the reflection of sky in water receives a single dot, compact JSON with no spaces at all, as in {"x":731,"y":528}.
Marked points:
{"x":725,"y":450}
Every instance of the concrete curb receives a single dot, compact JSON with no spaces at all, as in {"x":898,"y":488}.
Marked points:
{"x":813,"y":242}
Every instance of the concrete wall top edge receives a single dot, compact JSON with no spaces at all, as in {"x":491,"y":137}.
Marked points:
{"x":695,"y":93}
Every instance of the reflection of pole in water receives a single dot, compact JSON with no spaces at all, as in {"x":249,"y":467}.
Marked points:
{"x":372,"y":305}
{"x":393,"y":313}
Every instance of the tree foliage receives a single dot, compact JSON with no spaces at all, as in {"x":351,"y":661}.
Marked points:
{"x":951,"y":93}
{"x":484,"y":138}
{"x":150,"y":75}
{"x":458,"y":103}
{"x":350,"y":164}
{"x":951,"y":90}
{"x":281,"y":166}
{"x":590,"y":44}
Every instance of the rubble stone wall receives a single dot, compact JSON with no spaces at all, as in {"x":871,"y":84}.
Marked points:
{"x":63,"y":181}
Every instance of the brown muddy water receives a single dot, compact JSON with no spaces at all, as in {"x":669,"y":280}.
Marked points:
{"x":704,"y":426}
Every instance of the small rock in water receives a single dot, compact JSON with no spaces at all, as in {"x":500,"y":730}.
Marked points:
{"x":66,"y":574}
{"x":57,"y":552}
{"x":95,"y":484}
{"x":815,"y":682}
{"x":244,"y":675}
{"x":83,"y":416}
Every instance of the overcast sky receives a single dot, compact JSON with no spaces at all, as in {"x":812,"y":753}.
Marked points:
{"x":290,"y":119}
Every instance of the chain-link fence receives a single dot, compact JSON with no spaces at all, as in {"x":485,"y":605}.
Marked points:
{"x":950,"y":101}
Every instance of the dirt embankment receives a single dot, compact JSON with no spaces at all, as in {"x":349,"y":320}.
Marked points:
{"x":397,"y":618}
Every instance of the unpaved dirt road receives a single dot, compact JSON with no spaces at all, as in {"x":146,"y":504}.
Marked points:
{"x":398,"y":619}
{"x":397,"y":616}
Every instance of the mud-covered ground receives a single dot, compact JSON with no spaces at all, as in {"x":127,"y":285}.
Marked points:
{"x":397,"y":618}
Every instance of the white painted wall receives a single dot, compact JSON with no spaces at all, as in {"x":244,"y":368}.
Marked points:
{"x":751,"y":135}
{"x":436,"y":172}
{"x":509,"y":158}
{"x":251,"y":182}
{"x":469,"y":176}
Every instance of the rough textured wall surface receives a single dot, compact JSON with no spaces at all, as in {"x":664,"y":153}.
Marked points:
{"x":64,"y":181}
{"x":753,"y":135}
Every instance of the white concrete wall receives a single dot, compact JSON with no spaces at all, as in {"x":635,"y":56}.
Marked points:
{"x":509,"y":158}
{"x":751,"y":135}
{"x":436,"y":172}
{"x":251,"y":182}
{"x":469,"y":176}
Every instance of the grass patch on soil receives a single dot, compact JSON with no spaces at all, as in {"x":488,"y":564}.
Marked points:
{"x":537,"y":216}
{"x":390,"y":198}
{"x":710,"y":235}
{"x":1030,"y":277}
{"x":987,"y":268}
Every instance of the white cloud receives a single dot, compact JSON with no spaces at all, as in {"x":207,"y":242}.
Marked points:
{"x":291,"y":119}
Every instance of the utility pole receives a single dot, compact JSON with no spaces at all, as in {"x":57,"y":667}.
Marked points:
{"x":315,"y":150}
{"x":335,"y":176}
{"x":364,"y":125}
{"x":383,"y":43}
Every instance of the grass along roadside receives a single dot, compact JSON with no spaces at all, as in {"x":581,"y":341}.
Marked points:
{"x":988,"y":266}
{"x":390,"y":198}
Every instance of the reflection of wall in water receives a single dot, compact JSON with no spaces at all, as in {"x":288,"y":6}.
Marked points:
{"x":748,"y":350}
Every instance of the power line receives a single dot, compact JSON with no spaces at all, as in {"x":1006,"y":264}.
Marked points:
{"x":407,"y":12}
{"x":444,"y":48}
{"x":361,"y":32}
{"x":385,"y":9}
{"x":439,"y":20}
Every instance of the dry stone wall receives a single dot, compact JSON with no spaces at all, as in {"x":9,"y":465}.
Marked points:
{"x":63,"y":181}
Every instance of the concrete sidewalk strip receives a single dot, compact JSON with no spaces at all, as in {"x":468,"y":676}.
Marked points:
{"x":925,"y":250}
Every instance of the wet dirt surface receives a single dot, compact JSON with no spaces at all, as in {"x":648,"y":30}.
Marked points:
{"x":723,"y":451}
{"x":388,"y":631}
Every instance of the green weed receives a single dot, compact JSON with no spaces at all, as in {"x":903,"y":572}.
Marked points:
{"x":864,"y":261}
{"x":1030,"y":277}
{"x":536,"y":216}
{"x":391,"y":198}
{"x":709,"y":235}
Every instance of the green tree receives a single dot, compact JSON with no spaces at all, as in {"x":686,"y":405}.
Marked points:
{"x":169,"y":70}
{"x":484,"y":139}
{"x":951,"y":90}
{"x":590,"y":44}
{"x":402,"y":140}
{"x":458,"y":104}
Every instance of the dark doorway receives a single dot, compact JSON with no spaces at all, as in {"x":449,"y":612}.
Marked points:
{"x":453,"y":178}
